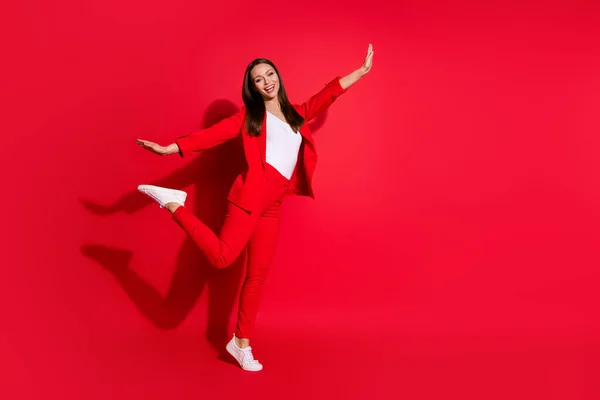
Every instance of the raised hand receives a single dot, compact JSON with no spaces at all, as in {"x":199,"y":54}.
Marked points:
{"x":158,"y":149}
{"x":366,"y":67}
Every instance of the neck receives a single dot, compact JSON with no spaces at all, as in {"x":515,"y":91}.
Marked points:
{"x":272,"y":104}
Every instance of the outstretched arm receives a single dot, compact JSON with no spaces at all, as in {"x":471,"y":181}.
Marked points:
{"x":354,"y":76}
{"x":222,"y":131}
{"x":326,"y":96}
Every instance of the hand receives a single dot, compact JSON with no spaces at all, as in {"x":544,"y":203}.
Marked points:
{"x":366,"y":67}
{"x":158,"y":149}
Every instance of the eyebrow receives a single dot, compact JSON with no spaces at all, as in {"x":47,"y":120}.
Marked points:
{"x":270,"y":69}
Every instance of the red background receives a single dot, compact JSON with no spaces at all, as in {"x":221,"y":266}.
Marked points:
{"x":452,"y":251}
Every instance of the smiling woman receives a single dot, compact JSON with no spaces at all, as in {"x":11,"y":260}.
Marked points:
{"x":281,"y":158}
{"x":263,"y":90}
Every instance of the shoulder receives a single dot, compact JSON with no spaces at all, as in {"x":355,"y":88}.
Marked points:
{"x":239,"y":114}
{"x":299,"y":108}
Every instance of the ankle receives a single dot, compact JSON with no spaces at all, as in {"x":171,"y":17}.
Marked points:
{"x":171,"y":207}
{"x":242,"y":342}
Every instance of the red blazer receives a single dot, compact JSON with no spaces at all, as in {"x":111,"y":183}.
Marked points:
{"x":249,"y":187}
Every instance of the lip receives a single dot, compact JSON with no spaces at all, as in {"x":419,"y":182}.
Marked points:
{"x":270,"y":86}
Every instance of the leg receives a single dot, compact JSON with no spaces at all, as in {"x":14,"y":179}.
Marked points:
{"x":221,"y":250}
{"x":261,"y":250}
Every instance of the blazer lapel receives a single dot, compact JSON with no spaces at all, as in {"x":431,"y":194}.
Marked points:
{"x":262,"y":141}
{"x":305,"y":132}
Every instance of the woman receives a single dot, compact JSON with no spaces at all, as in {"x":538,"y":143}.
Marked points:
{"x":281,"y":157}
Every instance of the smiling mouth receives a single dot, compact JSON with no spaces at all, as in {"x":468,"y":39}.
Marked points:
{"x":270,"y":89}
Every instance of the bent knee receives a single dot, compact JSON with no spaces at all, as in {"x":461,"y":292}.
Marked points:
{"x":221,"y":262}
{"x":255,"y":280}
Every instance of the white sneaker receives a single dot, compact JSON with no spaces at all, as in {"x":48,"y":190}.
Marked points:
{"x":163,"y":195}
{"x":243,"y":356}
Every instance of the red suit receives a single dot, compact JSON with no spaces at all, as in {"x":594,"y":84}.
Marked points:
{"x":252,"y":219}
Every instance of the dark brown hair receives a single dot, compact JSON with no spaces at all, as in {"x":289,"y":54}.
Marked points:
{"x":255,"y":105}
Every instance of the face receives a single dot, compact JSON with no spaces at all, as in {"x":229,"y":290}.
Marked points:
{"x":265,"y":80}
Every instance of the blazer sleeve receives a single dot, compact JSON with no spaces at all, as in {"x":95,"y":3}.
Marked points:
{"x":224,"y":130}
{"x":323,"y":99}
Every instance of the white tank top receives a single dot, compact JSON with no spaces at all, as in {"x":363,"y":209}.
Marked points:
{"x":282,"y":145}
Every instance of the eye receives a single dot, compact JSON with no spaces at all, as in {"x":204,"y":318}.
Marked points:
{"x":271,"y":73}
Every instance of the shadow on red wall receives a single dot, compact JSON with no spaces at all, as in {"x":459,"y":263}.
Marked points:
{"x":212,"y":172}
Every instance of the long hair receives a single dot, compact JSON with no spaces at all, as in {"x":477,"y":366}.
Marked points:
{"x":255,"y":105}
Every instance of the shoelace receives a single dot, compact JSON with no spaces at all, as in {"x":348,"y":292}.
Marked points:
{"x":248,"y":357}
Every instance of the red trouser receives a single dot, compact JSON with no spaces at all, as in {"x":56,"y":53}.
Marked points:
{"x":258,"y":230}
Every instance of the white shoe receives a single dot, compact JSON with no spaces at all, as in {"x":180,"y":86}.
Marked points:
{"x":163,"y":195}
{"x":243,"y":356}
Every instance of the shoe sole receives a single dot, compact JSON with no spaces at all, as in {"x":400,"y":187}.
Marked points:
{"x":147,"y":190}
{"x":143,"y":188}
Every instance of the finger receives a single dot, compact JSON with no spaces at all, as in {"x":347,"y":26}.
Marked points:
{"x":149,"y":145}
